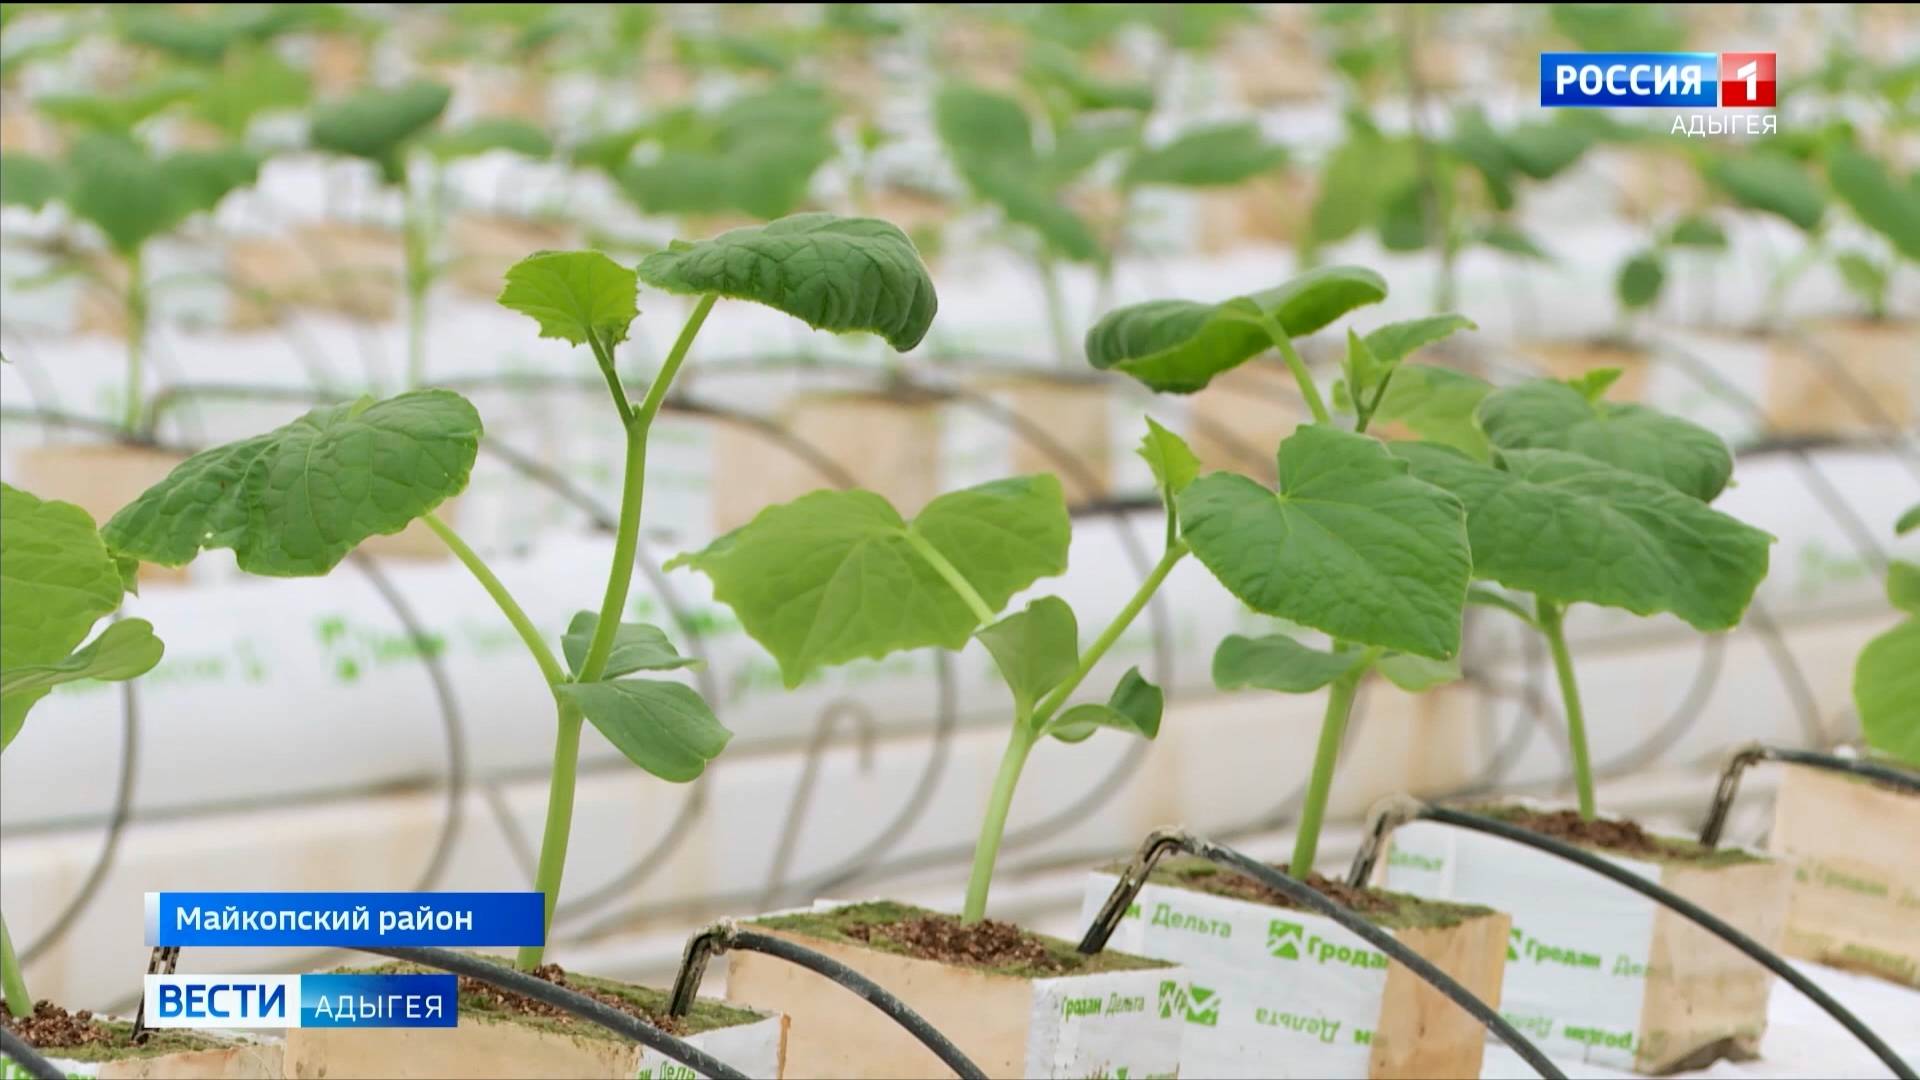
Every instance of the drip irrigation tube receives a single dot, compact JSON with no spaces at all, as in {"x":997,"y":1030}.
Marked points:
{"x":1398,"y":811}
{"x":27,"y":1058}
{"x":724,"y":936}
{"x":580,"y":1005}
{"x":1164,"y":840}
{"x":1730,"y":779}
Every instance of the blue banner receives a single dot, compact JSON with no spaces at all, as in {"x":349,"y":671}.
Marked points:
{"x":1630,"y":79}
{"x":346,"y":920}
{"x":412,"y":1001}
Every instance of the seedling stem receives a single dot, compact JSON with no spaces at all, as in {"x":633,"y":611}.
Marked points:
{"x":1326,"y":757}
{"x":1549,"y":616}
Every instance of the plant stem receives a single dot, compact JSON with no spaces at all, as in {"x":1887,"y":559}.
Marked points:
{"x":1284,"y":342}
{"x":1058,"y":695}
{"x":550,"y":668}
{"x":136,"y":340}
{"x":19,"y":1001}
{"x":994,"y":827}
{"x":1326,"y":757}
{"x":1550,"y":616}
{"x":553,"y":838}
{"x":416,"y":227}
{"x":1056,"y":311}
{"x":950,"y":575}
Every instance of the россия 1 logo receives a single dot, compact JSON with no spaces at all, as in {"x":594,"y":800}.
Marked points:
{"x":1699,"y":80}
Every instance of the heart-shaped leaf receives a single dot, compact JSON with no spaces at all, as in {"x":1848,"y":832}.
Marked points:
{"x":574,"y":295}
{"x":1570,"y":528}
{"x":1772,"y":183}
{"x":1438,"y":404}
{"x":1876,"y":198}
{"x":832,"y":273}
{"x":1178,"y":346}
{"x":636,"y":647}
{"x":295,"y":501}
{"x":663,"y":727}
{"x":114,"y":183}
{"x":377,"y":123}
{"x":1546,"y":414}
{"x":1278,"y":662}
{"x":29,"y":181}
{"x":1886,"y":691}
{"x":1036,"y":649}
{"x":1214,"y":155}
{"x":839,"y":575}
{"x":1135,"y":708}
{"x":1351,"y":544}
{"x":990,"y":141}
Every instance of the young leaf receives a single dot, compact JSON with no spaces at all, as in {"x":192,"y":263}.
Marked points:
{"x":295,"y":501}
{"x":1351,"y":544}
{"x":1135,"y":707}
{"x":1594,"y":384}
{"x":118,"y":186}
{"x":663,"y":727}
{"x":1570,"y":528}
{"x":1886,"y":692}
{"x":1903,"y":586}
{"x":56,"y":580}
{"x":1876,"y":199}
{"x":1909,"y":521}
{"x":838,"y":575}
{"x":1363,"y":370}
{"x":1277,"y":662}
{"x":1640,"y":280}
{"x":1394,"y":342}
{"x":574,"y":295}
{"x":636,"y":647}
{"x":1173,"y":462}
{"x":1036,"y":649}
{"x":488,"y":134}
{"x":1438,"y":404}
{"x":1771,"y":183}
{"x":204,"y":177}
{"x":830,"y":272}
{"x":1512,"y":239}
{"x":1698,"y":231}
{"x":1417,"y":673}
{"x":1178,"y":346}
{"x":1551,"y":415}
{"x":377,"y":123}
{"x":1215,"y":155}
{"x":1866,"y":278}
{"x":29,"y":181}
{"x":123,"y":650}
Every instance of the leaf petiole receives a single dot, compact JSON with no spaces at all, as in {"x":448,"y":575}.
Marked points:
{"x":954,"y":579}
{"x":1284,"y":342}
{"x":550,"y":668}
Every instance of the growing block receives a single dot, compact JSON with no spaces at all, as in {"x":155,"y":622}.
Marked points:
{"x":1855,"y":851}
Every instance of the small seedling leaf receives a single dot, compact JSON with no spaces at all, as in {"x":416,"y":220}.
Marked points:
{"x":1035,"y":649}
{"x":1394,"y":342}
{"x":1772,"y":183}
{"x":1886,"y":692}
{"x":1876,"y":198}
{"x":1352,"y":544}
{"x":1640,"y":280}
{"x":574,"y":295}
{"x":488,"y":134}
{"x":1215,"y":155}
{"x":1552,"y":415}
{"x":1135,"y":707}
{"x":117,"y":185}
{"x":377,"y":123}
{"x":1903,"y":586}
{"x":123,"y":650}
{"x":636,"y":647}
{"x":1438,"y":404}
{"x":29,"y":181}
{"x":1173,"y":462}
{"x":1278,"y":662}
{"x":295,"y":501}
{"x":663,"y":727}
{"x":830,"y":272}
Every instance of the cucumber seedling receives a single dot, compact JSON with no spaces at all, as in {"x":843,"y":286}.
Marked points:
{"x":1886,"y":677}
{"x":296,"y":501}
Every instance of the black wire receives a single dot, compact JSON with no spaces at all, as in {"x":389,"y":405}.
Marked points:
{"x":27,"y":1057}
{"x":1307,"y":896}
{"x":580,"y":1005}
{"x":1693,"y":912}
{"x":866,"y":989}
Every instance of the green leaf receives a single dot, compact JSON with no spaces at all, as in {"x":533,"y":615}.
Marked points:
{"x":1214,"y":155}
{"x":1640,"y":279}
{"x":1352,"y":544}
{"x":1570,"y":528}
{"x":1178,"y":346}
{"x":1771,"y":183}
{"x":1594,"y":384}
{"x":56,"y":580}
{"x":248,"y":85}
{"x":295,"y":501}
{"x":123,"y":650}
{"x":832,"y":273}
{"x":1438,"y":404}
{"x":983,"y":132}
{"x":1903,"y":586}
{"x":488,"y":134}
{"x":837,"y":575}
{"x":1551,"y":415}
{"x":1883,"y":204}
{"x":29,"y":181}
{"x":204,"y":177}
{"x":1278,"y":662}
{"x":1909,"y":521}
{"x":1173,"y":462}
{"x":377,"y":123}
{"x":663,"y":727}
{"x":1886,"y":692}
{"x":636,"y":647}
{"x":1698,"y":231}
{"x":1481,"y":596}
{"x":1544,"y":150}
{"x":1394,"y":342}
{"x":119,"y":113}
{"x":1510,"y":238}
{"x":1363,"y":370}
{"x":1035,"y":650}
{"x":574,"y":295}
{"x":1866,"y":278}
{"x":118,"y":186}
{"x":1135,"y":707}
{"x":1416,"y":673}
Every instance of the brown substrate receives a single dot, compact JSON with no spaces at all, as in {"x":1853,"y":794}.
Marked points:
{"x":1379,"y":906}
{"x":1615,"y":836}
{"x":987,"y":945}
{"x":80,"y":1036}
